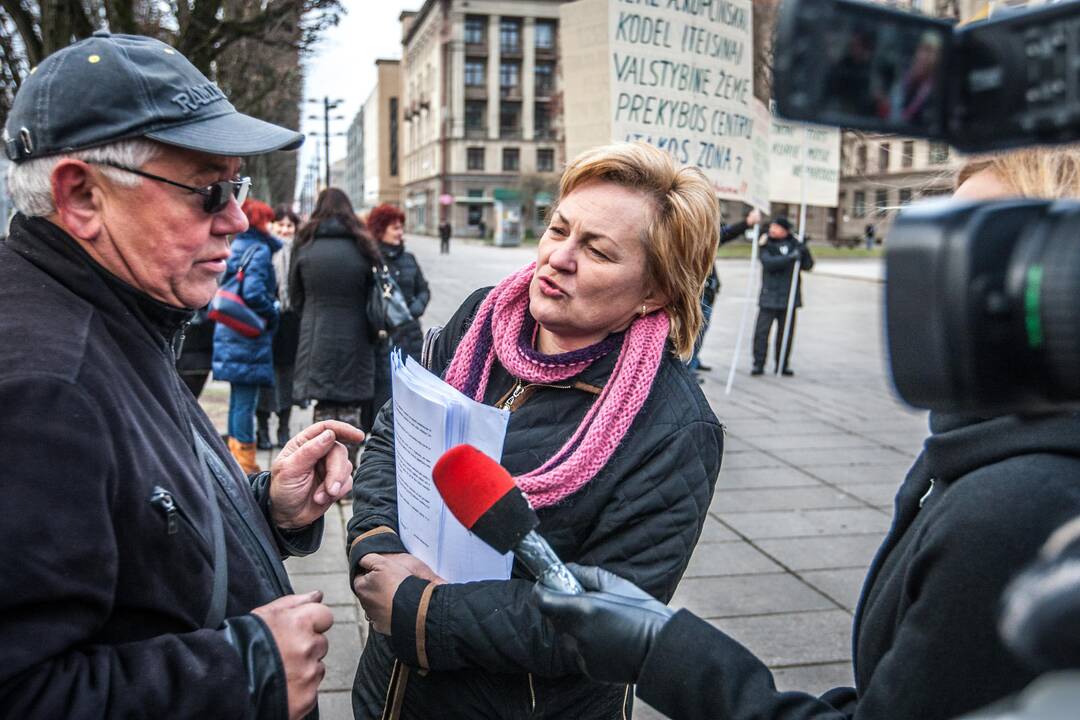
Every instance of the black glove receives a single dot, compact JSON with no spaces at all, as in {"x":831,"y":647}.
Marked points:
{"x":611,"y":628}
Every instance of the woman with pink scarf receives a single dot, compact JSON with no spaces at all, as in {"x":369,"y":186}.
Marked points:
{"x":610,"y":438}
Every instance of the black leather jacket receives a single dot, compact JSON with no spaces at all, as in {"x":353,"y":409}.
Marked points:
{"x":108,"y":559}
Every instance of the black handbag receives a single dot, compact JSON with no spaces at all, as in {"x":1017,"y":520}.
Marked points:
{"x":387,"y":310}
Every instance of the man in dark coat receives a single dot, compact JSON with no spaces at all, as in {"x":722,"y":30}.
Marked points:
{"x":141,"y":571}
{"x":975,"y":508}
{"x":444,"y":237}
{"x":780,"y":250}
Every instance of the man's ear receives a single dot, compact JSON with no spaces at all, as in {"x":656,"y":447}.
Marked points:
{"x":77,"y":196}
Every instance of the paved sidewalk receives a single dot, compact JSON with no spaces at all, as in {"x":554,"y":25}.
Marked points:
{"x":804,"y":497}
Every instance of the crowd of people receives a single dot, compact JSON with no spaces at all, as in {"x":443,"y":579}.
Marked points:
{"x":143,"y":553}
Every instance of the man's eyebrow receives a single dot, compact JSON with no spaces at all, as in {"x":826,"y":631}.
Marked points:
{"x":588,"y":234}
{"x":215,"y":168}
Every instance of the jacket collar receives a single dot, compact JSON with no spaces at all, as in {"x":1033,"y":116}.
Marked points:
{"x":960,"y":444}
{"x":56,"y":253}
{"x":391,"y":252}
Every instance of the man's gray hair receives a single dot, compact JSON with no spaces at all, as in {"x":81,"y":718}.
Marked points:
{"x":30,"y":182}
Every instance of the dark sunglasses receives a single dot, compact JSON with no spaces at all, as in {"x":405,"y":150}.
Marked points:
{"x":216,"y":195}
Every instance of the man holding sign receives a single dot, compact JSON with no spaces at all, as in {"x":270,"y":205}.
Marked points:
{"x":780,"y":251}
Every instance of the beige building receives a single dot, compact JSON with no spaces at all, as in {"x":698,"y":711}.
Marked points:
{"x":481,"y":119}
{"x":382,"y":124}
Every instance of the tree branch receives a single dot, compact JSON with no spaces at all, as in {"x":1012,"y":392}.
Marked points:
{"x":24,"y":23}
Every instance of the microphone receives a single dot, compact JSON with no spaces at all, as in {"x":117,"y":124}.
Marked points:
{"x":484,"y":498}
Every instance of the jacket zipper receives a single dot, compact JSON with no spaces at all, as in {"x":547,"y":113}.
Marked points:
{"x":532,"y":695}
{"x":519,"y":389}
{"x":166,"y":504}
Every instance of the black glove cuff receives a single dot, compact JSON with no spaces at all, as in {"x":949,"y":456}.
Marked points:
{"x":267,"y":690}
{"x":383,"y":540}
{"x":668,"y":661}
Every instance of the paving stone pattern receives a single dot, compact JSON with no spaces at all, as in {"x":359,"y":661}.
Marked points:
{"x":804,"y":497}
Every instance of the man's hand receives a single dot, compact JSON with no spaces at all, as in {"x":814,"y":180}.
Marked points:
{"x":753,"y":217}
{"x":382,"y":574}
{"x":611,"y":628}
{"x":311,"y":473}
{"x":297,"y":623}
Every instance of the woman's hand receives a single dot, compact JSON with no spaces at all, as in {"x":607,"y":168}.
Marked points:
{"x":382,"y":575}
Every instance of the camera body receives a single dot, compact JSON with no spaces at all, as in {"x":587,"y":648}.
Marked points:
{"x":991,"y":85}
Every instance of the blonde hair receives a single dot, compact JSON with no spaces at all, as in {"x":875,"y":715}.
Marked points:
{"x":681,"y":232}
{"x":1040,"y":172}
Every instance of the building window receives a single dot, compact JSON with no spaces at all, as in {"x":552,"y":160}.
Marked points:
{"x":475,"y":112}
{"x":883,"y":157}
{"x":474,"y":30}
{"x":510,"y":120}
{"x":939,"y":153}
{"x":475,"y":158}
{"x":545,"y":79}
{"x":905,"y":196}
{"x":881,"y":201}
{"x":510,"y":79}
{"x":545,"y":160}
{"x":510,"y":35}
{"x":393,"y":137}
{"x":475,"y":72}
{"x":542,"y":120}
{"x":858,"y":204}
{"x":860,"y":160}
{"x":908,"y":158}
{"x":545,"y":35}
{"x":476,"y":212}
{"x":511,"y":159}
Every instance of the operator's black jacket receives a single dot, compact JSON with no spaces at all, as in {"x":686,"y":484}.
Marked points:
{"x":102,"y":603}
{"x":489,"y":652}
{"x":973,"y":512}
{"x":778,"y":263}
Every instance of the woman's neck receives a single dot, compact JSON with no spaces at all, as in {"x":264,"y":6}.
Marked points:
{"x":550,"y":343}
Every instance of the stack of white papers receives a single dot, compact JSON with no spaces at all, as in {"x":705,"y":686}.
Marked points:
{"x":430,"y":417}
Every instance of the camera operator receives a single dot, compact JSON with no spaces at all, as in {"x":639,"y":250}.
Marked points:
{"x":974,"y":509}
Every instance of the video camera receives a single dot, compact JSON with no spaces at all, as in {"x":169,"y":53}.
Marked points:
{"x":981,"y":299}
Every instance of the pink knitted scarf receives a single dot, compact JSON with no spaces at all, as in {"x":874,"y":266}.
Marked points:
{"x":495,"y":332}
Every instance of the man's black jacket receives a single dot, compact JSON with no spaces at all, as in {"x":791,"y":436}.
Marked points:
{"x":104,"y":591}
{"x":486,"y":648}
{"x":778,"y":265}
{"x":973,"y":512}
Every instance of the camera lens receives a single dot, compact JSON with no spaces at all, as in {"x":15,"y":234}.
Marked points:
{"x":1050,"y":302}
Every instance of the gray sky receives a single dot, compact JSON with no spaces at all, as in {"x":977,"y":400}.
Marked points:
{"x":343,"y":66}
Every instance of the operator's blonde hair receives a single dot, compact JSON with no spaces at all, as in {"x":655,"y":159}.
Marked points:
{"x":1042,"y":172}
{"x":681,"y":231}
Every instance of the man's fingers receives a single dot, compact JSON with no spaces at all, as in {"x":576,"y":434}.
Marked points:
{"x":337,"y":472}
{"x":321,"y":617}
{"x":343,"y":430}
{"x":311,"y":450}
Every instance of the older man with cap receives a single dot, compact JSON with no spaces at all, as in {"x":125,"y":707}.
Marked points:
{"x":141,"y":570}
{"x":779,"y":252}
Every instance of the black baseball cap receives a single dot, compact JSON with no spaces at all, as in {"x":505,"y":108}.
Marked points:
{"x":782,"y":222}
{"x":119,"y":87}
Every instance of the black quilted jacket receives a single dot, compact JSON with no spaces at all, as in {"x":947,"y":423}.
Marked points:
{"x":485,"y":650}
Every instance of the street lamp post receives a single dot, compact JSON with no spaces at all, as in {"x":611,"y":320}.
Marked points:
{"x":328,"y":105}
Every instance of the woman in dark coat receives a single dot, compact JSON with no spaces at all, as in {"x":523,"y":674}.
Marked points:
{"x":609,"y":437}
{"x":329,"y":283}
{"x":386,"y":223}
{"x":247,"y":363}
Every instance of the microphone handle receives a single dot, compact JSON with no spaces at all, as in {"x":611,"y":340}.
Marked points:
{"x":534,"y":553}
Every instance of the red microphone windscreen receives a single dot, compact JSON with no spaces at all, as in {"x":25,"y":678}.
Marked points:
{"x":470,"y":482}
